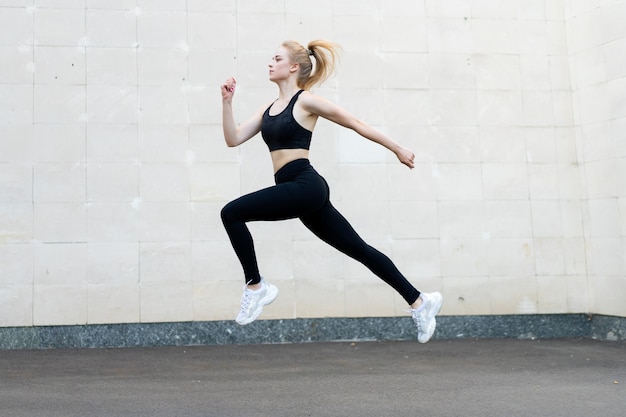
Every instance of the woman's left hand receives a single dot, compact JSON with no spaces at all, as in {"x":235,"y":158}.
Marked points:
{"x":406,"y":156}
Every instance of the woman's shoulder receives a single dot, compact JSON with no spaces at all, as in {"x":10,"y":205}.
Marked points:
{"x":307,"y":99}
{"x":314,"y":103}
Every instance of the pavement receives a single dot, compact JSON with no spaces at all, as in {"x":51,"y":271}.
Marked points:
{"x":460,"y":377}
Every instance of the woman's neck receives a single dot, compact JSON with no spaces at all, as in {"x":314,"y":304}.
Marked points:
{"x":287,"y":89}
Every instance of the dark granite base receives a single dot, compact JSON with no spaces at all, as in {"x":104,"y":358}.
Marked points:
{"x":309,"y":330}
{"x":608,"y":328}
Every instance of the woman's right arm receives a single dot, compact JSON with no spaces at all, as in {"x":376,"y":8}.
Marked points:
{"x":236,"y":135}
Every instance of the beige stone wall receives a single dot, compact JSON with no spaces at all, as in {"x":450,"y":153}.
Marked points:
{"x":597,"y":38}
{"x":113,"y":168}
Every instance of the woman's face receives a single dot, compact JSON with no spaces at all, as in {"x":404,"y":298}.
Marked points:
{"x":280,"y":67}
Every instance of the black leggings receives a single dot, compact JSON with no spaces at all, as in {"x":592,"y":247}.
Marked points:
{"x":301,"y":192}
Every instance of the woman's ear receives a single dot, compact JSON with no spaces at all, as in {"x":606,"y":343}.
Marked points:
{"x":294,"y":67}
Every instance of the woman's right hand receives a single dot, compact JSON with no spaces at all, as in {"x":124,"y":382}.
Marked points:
{"x":228,"y":89}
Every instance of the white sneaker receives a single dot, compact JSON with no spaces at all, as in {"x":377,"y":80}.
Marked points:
{"x":252,"y":302}
{"x":424,"y":318}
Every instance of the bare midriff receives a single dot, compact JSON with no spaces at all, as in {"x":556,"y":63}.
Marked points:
{"x":281,"y":157}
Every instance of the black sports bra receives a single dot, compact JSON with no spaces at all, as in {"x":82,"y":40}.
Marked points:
{"x":282,"y":131}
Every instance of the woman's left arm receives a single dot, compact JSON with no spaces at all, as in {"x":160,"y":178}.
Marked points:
{"x":328,"y":110}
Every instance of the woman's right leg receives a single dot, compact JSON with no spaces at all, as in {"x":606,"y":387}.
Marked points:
{"x":254,"y":206}
{"x":280,"y":202}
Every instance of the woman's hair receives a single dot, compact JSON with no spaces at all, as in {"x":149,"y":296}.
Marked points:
{"x":325,"y":53}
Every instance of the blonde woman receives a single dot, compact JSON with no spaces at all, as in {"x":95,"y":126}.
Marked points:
{"x":286,"y":126}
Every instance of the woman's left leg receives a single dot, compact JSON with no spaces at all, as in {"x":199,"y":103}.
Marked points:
{"x":330,"y":226}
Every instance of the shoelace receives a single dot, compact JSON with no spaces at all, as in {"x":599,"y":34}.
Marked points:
{"x":417,"y":319}
{"x":418,"y":322}
{"x":245,"y":300}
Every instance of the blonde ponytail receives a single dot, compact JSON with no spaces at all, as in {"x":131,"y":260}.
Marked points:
{"x":325,"y":54}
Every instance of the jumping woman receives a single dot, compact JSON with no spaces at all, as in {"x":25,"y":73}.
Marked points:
{"x":286,"y":126}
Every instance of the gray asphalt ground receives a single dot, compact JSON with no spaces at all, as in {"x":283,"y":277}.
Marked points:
{"x":500,"y":377}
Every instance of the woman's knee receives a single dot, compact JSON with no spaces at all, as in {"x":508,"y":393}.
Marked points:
{"x":228,"y":213}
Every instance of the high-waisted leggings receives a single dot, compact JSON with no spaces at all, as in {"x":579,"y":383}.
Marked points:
{"x":301,"y":192}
